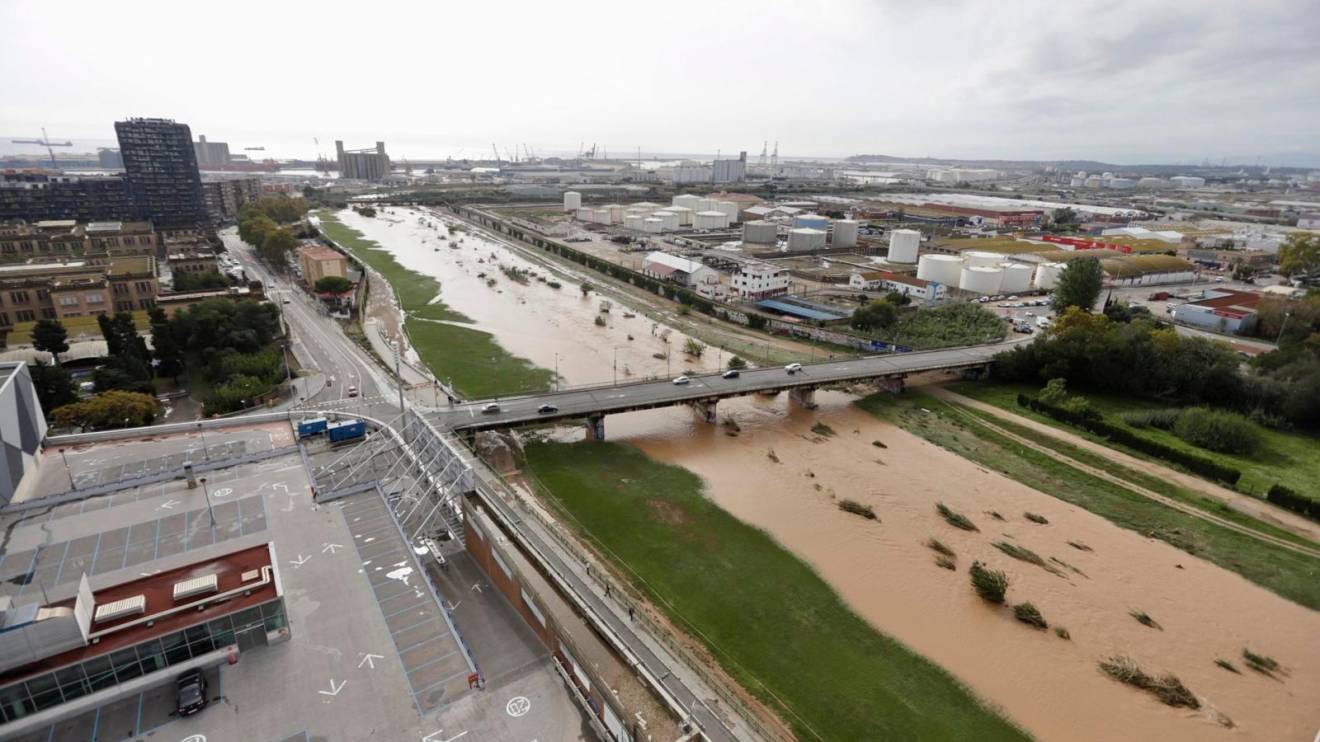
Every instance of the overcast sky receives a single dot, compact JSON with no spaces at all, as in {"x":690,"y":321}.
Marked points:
{"x":1127,"y":82}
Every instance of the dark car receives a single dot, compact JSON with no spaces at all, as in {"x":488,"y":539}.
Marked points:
{"x":546,"y":409}
{"x":190,"y":693}
{"x":730,"y":374}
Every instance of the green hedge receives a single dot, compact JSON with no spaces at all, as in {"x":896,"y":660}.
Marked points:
{"x":1193,"y":463}
{"x":1292,"y":500}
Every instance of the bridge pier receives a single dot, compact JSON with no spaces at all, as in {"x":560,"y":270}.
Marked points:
{"x":804,"y":396}
{"x":705,"y":408}
{"x":975,"y":372}
{"x":891,"y":384}
{"x":596,"y":428}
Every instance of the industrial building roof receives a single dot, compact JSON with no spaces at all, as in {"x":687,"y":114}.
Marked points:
{"x":796,"y":310}
{"x":673,"y":262}
{"x":1236,"y":304}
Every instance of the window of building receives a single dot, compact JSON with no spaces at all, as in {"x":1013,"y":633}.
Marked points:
{"x":18,"y":297}
{"x":4,"y":319}
{"x":146,"y":303}
{"x":96,"y":298}
{"x":123,"y":306}
{"x":531,"y":606}
{"x":47,"y":313}
{"x":43,"y":295}
{"x":503,"y":566}
{"x":24,"y":315}
{"x":68,"y":301}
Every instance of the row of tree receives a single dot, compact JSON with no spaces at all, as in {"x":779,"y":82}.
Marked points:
{"x":261,"y":224}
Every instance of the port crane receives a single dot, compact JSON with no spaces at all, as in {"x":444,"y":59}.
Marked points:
{"x":45,"y":141}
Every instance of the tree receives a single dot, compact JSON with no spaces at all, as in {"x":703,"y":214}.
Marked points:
{"x":54,"y":386}
{"x":1079,"y":285}
{"x":112,"y":409}
{"x":50,"y":336}
{"x":200,"y":281}
{"x":253,"y":228}
{"x":877,"y":315}
{"x":277,"y":245}
{"x":736,"y":363}
{"x":128,"y":362}
{"x":333,"y":285}
{"x":1065,"y":217}
{"x":693,"y":347}
{"x":169,"y":356}
{"x":1300,"y":254}
{"x":586,"y":288}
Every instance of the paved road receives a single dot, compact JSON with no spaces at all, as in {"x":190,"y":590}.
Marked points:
{"x":643,"y":395}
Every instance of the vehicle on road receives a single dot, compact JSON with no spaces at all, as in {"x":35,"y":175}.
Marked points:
{"x":352,"y":391}
{"x":546,"y":409}
{"x":680,"y":381}
{"x":730,"y":374}
{"x":287,"y":300}
{"x":793,"y":368}
{"x":490,"y":407}
{"x":190,"y":693}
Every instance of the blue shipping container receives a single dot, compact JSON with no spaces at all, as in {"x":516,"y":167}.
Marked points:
{"x":311,"y":426}
{"x":346,"y":430}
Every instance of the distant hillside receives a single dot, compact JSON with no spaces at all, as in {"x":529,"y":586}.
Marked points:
{"x":1280,"y":163}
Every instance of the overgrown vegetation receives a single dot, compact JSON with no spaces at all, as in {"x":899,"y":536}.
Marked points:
{"x":1144,"y":619}
{"x":857,"y":508}
{"x":1227,"y":665}
{"x":1168,"y":688}
{"x":107,"y":410}
{"x":1217,"y":430}
{"x":1035,"y":518}
{"x":955,"y":519}
{"x":1022,"y":553}
{"x":1029,"y":614}
{"x":1260,"y":663}
{"x":820,"y":428}
{"x":837,"y":679}
{"x":939,"y":547}
{"x":990,"y":584}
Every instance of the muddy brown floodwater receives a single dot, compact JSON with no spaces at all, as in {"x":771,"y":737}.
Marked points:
{"x":1050,"y":686}
{"x":550,"y":327}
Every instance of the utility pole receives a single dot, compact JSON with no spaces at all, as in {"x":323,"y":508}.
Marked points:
{"x":206,"y":492}
{"x":398,"y":371}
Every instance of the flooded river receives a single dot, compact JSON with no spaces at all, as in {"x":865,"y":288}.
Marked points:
{"x":550,"y":327}
{"x":1050,"y":686}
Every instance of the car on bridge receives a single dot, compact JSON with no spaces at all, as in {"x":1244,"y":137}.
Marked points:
{"x":547,"y":409}
{"x":490,"y":408}
{"x":793,"y":368}
{"x":730,"y":374}
{"x":680,"y":381}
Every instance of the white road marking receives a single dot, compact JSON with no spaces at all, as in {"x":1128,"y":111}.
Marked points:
{"x":369,"y":660}
{"x":331,"y":548}
{"x":300,"y":561}
{"x":518,"y":706}
{"x":334,"y":689}
{"x":167,"y":505}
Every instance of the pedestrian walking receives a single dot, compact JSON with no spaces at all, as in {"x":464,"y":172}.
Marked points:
{"x":630,"y":613}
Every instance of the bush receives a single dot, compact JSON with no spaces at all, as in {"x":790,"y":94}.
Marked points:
{"x":1144,"y":619}
{"x":1162,"y":419}
{"x":856,"y":508}
{"x":1034,"y":518}
{"x":1288,"y":498}
{"x":239,"y":393}
{"x":939,"y":547}
{"x":1029,"y":614}
{"x":1168,"y":688}
{"x":955,"y":519}
{"x":989,"y":584}
{"x":1116,"y":434}
{"x":1260,"y":663}
{"x":1217,"y":430}
{"x":1024,"y":554}
{"x":1062,"y":633}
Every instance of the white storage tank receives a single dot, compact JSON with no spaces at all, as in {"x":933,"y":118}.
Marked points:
{"x":903,"y":245}
{"x":601,"y":215}
{"x":981,"y":279}
{"x":1047,"y":275}
{"x":760,"y":232}
{"x":653,"y":225}
{"x":1016,"y":279}
{"x":942,"y":269}
{"x":729,"y":208}
{"x":705,"y":204}
{"x":811,"y":221}
{"x":710,"y":220}
{"x":669,"y":219}
{"x":845,"y":233}
{"x":572,"y":200}
{"x":683,"y":213}
{"x":806,"y":239}
{"x":646,"y":207}
{"x":633,"y":221}
{"x":584,"y":214}
{"x":687,"y":201}
{"x":982,"y":259}
{"x":616,"y":212}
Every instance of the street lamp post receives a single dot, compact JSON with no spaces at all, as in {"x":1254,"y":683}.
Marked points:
{"x":1282,"y":326}
{"x":206,"y":492}
{"x":202,"y":433}
{"x":556,"y":372}
{"x":616,"y":366}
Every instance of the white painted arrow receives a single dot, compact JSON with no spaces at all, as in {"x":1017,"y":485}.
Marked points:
{"x":369,"y":660}
{"x":476,"y":587}
{"x":168,"y":504}
{"x":434,"y":736}
{"x":331,"y":548}
{"x":334,"y":689}
{"x":300,"y":561}
{"x":454,"y":606}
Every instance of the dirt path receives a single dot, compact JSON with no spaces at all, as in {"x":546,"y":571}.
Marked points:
{"x":1119,"y":458}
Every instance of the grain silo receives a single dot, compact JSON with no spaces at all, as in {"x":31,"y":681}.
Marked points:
{"x":710,"y":220}
{"x":683,"y":213}
{"x":669,"y":219}
{"x":903,"y":245}
{"x":653,"y":225}
{"x":687,"y":201}
{"x":572,"y":200}
{"x":760,"y":232}
{"x":729,"y":208}
{"x":811,"y":221}
{"x":941,"y":269}
{"x":981,"y":279}
{"x":1047,"y":275}
{"x":1016,"y":279}
{"x":805,"y":239}
{"x":982,"y":258}
{"x":845,"y":233}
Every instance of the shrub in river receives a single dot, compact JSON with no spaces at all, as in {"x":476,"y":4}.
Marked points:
{"x":771,"y":455}
{"x":878,"y":444}
{"x":1079,"y":546}
{"x":1144,"y":619}
{"x":856,"y":508}
{"x":1228,"y":666}
{"x":1034,"y":518}
{"x":955,"y":519}
{"x":1062,"y":633}
{"x":1027,"y":555}
{"x":1260,"y":663}
{"x":946,"y":562}
{"x":1029,"y":614}
{"x":990,"y":584}
{"x":1168,"y":688}
{"x":822,"y":429}
{"x":600,"y":321}
{"x":994,"y":514}
{"x":939,"y":547}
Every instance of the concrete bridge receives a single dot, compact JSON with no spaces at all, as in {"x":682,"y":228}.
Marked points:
{"x":703,"y":392}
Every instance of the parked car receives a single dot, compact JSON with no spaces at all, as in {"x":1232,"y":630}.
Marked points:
{"x":680,"y":381}
{"x":730,"y":374}
{"x":490,"y":407}
{"x":793,"y":368}
{"x":190,"y":693}
{"x":546,"y":409}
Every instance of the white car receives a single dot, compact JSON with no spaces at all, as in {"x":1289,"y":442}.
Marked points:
{"x":680,"y":381}
{"x":793,"y":368}
{"x":490,"y":407}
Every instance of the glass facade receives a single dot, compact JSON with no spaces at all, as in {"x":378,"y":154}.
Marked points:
{"x":75,"y":681}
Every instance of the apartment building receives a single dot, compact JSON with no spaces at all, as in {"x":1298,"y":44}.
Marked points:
{"x":160,"y":167}
{"x":78,"y":288}
{"x":191,"y":257}
{"x":319,"y":261}
{"x":62,"y":239}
